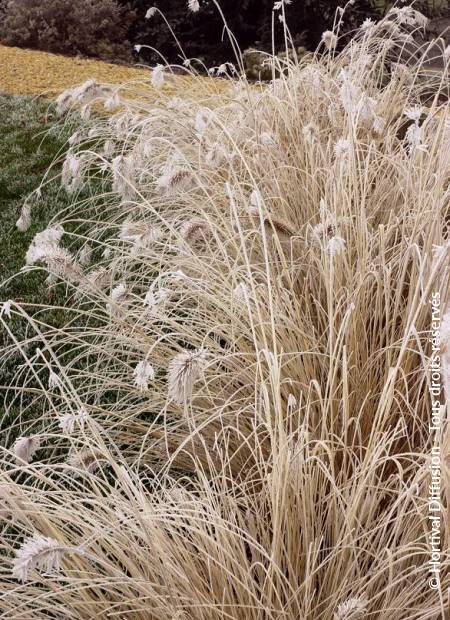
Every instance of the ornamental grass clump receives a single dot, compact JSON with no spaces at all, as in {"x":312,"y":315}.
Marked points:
{"x":239,"y":424}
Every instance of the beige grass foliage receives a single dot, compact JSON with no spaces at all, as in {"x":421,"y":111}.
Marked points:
{"x":287,"y":240}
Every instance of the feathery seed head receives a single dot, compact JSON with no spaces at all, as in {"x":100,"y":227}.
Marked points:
{"x":53,"y":380}
{"x":447,"y":54}
{"x":176,"y":180}
{"x":63,"y":264}
{"x":24,"y":221}
{"x":108,"y":148}
{"x":154,"y":298}
{"x":180,"y":276}
{"x":256,"y":201}
{"x":193,"y":230}
{"x":118,"y":302}
{"x":70,"y":421}
{"x":414,"y":139}
{"x":158,"y":76}
{"x":278,"y":5}
{"x":341,"y":149}
{"x":367,"y":24}
{"x":85,"y":255}
{"x":351,"y":609}
{"x":44,"y":243}
{"x":25,"y":447}
{"x":143,"y":373}
{"x":71,"y":176}
{"x":309,"y":132}
{"x":139,"y":234}
{"x":330,"y":40}
{"x":222,"y":69}
{"x":194,"y":5}
{"x":184,"y":371}
{"x":409,"y":16}
{"x":96,"y":280}
{"x":88,"y":459}
{"x":292,"y":402}
{"x":379,"y":124}
{"x":63,"y":101}
{"x":336,"y":245}
{"x":119,"y":292}
{"x":41,"y":553}
{"x":267,"y":139}
{"x":414,"y":113}
{"x":241,"y":292}
{"x":354,"y":100}
{"x":216,"y":155}
{"x":114,"y":101}
{"x":86,"y":91}
{"x":75,"y":138}
{"x":202,"y":119}
{"x":6,"y":308}
{"x":123,"y":171}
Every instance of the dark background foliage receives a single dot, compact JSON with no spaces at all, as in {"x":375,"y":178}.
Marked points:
{"x":202,"y":34}
{"x":108,"y":28}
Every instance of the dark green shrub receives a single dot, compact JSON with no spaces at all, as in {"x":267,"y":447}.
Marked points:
{"x":202,"y":35}
{"x":87,"y":27}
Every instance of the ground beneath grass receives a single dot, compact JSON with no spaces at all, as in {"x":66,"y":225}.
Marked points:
{"x":30,"y":72}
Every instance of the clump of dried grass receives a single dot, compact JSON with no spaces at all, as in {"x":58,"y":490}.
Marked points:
{"x":256,"y":375}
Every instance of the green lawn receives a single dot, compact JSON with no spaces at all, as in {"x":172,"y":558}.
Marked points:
{"x":31,"y":138}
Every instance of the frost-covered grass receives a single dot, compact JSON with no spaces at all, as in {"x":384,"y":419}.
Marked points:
{"x":236,"y":414}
